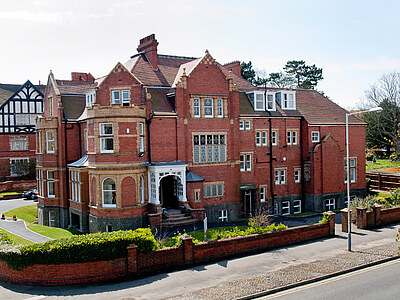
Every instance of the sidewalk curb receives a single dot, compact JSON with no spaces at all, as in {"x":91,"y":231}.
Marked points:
{"x":308,"y":281}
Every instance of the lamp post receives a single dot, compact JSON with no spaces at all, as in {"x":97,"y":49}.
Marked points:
{"x":377,"y":109}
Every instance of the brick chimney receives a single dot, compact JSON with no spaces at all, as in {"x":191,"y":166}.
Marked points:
{"x":78,"y":76}
{"x":234,"y":67}
{"x":149,"y":46}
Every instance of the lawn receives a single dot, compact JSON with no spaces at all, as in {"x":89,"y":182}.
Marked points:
{"x":381,"y":164}
{"x":17,"y":239}
{"x":10,"y":193}
{"x":29,"y":215}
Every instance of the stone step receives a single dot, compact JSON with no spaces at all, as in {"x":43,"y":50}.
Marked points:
{"x":170,"y":223}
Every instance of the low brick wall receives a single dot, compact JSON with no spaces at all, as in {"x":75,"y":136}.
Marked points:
{"x":165,"y":259}
{"x":12,"y":186}
{"x":370,"y":219}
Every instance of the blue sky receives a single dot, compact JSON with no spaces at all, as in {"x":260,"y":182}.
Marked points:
{"x":354,"y":42}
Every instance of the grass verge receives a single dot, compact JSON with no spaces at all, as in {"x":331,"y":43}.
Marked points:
{"x":10,"y":193}
{"x":381,"y":164}
{"x":27,"y":213}
{"x":51,"y":232}
{"x":17,"y":239}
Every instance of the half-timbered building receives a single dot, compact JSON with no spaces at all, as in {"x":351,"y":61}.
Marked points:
{"x":19,"y":107}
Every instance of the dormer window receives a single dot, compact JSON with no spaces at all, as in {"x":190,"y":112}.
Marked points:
{"x":288,"y":100}
{"x":257,"y":99}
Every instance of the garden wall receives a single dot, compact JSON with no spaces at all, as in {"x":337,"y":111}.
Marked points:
{"x":12,"y":186}
{"x":187,"y":254}
{"x":370,"y":219}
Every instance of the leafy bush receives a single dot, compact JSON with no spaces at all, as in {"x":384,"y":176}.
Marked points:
{"x":81,"y":248}
{"x":226,"y":234}
{"x":325,"y":218}
{"x":394,"y":198}
{"x":5,"y":239}
{"x":394,"y":157}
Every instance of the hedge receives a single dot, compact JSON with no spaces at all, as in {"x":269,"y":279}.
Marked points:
{"x":80,"y":248}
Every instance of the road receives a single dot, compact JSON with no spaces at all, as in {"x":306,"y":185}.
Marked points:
{"x":378,"y":282}
{"x":18,"y":227}
{"x":175,"y":283}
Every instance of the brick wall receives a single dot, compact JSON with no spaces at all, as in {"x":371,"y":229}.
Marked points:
{"x":164,"y":259}
{"x":12,"y":186}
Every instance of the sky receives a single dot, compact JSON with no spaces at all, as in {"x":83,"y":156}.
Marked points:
{"x":354,"y":42}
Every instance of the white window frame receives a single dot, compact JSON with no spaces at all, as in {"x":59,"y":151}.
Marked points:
{"x":297,"y":174}
{"x":141,"y":137}
{"x":246,"y":162}
{"x":315,"y":136}
{"x":211,"y":107}
{"x":75,"y":185}
{"x":270,"y":101}
{"x":297,"y":206}
{"x":204,"y":152}
{"x":285,"y":205}
{"x":52,"y":220}
{"x":352,"y":169}
{"x":125,"y":100}
{"x":274,"y":138}
{"x":286,"y":102}
{"x":247,"y":125}
{"x":51,"y":182}
{"x":196,"y":107}
{"x":114,"y":98}
{"x":241,"y":125}
{"x":223,"y":215}
{"x":258,"y":138}
{"x":263,"y":193}
{"x":307,"y":173}
{"x":220,"y":108}
{"x":280,"y":176}
{"x":259,"y":101}
{"x":106,"y":136}
{"x":330,"y":204}
{"x":50,"y":141}
{"x":113,"y":192}
{"x":292,"y":137}
{"x":49,"y":101}
{"x":141,"y":187}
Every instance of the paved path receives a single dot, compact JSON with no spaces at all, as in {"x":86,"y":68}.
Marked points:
{"x":18,"y":227}
{"x":229,"y":279}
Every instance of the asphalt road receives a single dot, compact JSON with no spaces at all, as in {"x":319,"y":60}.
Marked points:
{"x":18,"y":227}
{"x":175,"y":283}
{"x":377,"y":282}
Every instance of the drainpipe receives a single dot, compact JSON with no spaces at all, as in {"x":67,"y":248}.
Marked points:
{"x":302,"y":185}
{"x":271,"y":168}
{"x":148,"y":122}
{"x":66,"y":165}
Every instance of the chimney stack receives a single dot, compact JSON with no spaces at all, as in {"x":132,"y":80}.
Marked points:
{"x":234,"y":67}
{"x":149,"y":46}
{"x":78,"y":76}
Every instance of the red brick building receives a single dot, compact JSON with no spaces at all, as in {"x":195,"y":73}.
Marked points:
{"x":166,"y":131}
{"x":19,"y":106}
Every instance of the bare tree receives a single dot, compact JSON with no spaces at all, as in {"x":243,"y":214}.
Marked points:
{"x":383,"y":128}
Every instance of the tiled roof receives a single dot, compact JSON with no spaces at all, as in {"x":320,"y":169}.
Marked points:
{"x":7,"y":90}
{"x":159,"y":101}
{"x":241,"y":83}
{"x":319,"y":110}
{"x":73,"y":106}
{"x":80,"y":163}
{"x":70,"y":87}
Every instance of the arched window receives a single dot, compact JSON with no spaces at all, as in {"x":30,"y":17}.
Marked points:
{"x":109,"y":193}
{"x":141,"y":189}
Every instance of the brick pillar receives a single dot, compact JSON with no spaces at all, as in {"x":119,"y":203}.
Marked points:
{"x":377,"y":214}
{"x":187,"y":244}
{"x":331,"y":222}
{"x":361,"y":217}
{"x":344,"y":219}
{"x":154,"y":220}
{"x":132,"y":259}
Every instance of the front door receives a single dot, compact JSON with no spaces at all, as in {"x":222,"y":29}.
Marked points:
{"x":168,"y":192}
{"x":249,"y":205}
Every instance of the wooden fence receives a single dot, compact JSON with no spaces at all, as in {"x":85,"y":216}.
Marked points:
{"x":383,"y":181}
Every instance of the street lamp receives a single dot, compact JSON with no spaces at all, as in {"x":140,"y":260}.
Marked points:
{"x":376,"y":109}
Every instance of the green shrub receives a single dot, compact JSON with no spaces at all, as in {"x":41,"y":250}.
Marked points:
{"x":5,"y":238}
{"x":325,"y":218}
{"x":394,"y":157}
{"x":234,"y":232}
{"x":394,"y":198}
{"x":81,"y":248}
